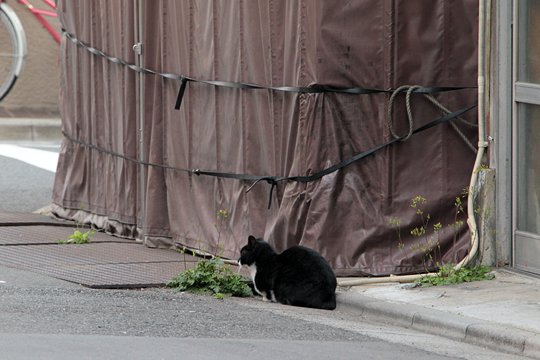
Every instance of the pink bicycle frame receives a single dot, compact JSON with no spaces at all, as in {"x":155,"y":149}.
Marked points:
{"x":39,"y":14}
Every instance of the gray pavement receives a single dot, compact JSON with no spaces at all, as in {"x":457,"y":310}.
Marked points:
{"x":21,"y":189}
{"x":70,"y":347}
{"x":30,"y":129}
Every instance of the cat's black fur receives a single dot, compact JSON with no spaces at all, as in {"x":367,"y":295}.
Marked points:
{"x":298,"y":276}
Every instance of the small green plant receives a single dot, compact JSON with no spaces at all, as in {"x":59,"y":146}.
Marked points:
{"x":396,"y":224}
{"x":211,"y":277}
{"x":78,"y":237}
{"x":182,"y":251}
{"x":219,"y":296}
{"x":428,"y":244}
{"x":427,"y":235}
{"x":448,"y":275}
{"x":482,"y":167}
{"x":222,"y":216}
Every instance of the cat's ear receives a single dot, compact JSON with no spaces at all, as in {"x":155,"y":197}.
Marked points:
{"x":251,"y":240}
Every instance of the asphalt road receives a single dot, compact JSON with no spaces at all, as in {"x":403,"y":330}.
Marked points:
{"x":25,"y":188}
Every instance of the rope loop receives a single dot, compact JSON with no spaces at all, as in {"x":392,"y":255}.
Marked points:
{"x":409,"y":89}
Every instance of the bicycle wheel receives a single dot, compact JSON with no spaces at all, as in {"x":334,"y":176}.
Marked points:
{"x":12,"y":49}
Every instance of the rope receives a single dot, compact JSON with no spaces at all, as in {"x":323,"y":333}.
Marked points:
{"x":390,"y":113}
{"x":409,"y":89}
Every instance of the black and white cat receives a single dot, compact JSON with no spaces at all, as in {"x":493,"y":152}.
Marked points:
{"x":298,"y":276}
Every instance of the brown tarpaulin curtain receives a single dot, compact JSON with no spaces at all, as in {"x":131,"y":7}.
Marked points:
{"x":349,"y":216}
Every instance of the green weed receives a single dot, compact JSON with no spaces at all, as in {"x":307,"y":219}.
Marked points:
{"x":211,"y":277}
{"x":448,"y":275}
{"x":78,"y":237}
{"x":396,"y":225}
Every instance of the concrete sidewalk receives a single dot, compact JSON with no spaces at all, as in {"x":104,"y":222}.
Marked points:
{"x":501,"y":314}
{"x":30,"y":129}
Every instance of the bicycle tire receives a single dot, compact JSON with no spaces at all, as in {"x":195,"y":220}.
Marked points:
{"x":13,"y":50}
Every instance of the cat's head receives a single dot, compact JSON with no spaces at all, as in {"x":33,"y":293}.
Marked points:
{"x":254,"y":249}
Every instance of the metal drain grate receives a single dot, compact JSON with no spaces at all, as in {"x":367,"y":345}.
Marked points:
{"x":106,"y":262}
{"x":21,"y":219}
{"x":43,"y":234}
{"x":99,"y":265}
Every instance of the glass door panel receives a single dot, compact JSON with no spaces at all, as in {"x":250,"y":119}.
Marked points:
{"x":528,"y":168}
{"x":528,"y":67}
{"x":526,"y":155}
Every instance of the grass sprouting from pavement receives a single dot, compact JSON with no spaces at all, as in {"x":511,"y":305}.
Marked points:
{"x":448,"y":275}
{"x":211,"y":277}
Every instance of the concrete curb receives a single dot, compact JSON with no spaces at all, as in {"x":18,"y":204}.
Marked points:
{"x":23,"y":129}
{"x":458,"y":327}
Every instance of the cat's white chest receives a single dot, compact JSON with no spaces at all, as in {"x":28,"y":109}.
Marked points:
{"x":252,"y":271}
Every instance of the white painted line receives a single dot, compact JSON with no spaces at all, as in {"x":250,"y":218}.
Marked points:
{"x":2,"y":282}
{"x":46,"y":160}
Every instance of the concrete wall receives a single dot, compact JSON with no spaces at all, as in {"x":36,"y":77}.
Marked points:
{"x":36,"y":93}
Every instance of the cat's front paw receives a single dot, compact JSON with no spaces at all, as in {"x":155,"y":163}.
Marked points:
{"x":269,"y":296}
